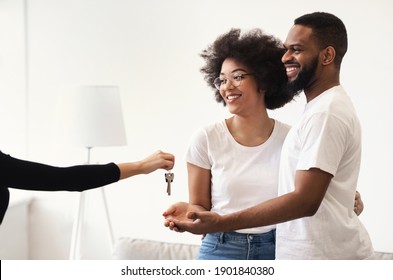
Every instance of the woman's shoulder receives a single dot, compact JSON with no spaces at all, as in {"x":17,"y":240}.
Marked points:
{"x":283,"y":127}
{"x":210,"y":131}
{"x":212,"y":127}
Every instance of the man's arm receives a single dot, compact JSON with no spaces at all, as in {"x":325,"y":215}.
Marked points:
{"x":310,"y":188}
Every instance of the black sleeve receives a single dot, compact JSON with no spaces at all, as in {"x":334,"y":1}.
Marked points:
{"x":27,"y":175}
{"x":4,"y":200}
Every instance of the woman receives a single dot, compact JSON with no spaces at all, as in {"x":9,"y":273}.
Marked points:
{"x":27,"y":175}
{"x":233,"y":164}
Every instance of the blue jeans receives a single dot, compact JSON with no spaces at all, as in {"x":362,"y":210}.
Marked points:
{"x":238,"y":246}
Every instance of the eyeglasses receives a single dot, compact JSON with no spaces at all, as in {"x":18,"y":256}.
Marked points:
{"x":235,"y":79}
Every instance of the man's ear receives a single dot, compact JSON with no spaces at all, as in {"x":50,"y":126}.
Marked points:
{"x":328,"y":55}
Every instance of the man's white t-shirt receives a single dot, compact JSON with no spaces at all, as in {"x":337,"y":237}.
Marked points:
{"x":327,"y":137}
{"x":241,"y":176}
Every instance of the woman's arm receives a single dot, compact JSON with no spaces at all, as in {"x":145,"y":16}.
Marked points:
{"x":158,"y":160}
{"x":28,"y":175}
{"x":199,"y":186}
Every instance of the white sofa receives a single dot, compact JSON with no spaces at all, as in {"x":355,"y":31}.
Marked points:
{"x":142,"y":249}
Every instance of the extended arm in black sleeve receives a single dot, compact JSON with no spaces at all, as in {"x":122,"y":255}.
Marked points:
{"x":27,"y":175}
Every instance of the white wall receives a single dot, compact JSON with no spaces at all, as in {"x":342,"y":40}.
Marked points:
{"x":12,"y":78}
{"x":150,"y":50}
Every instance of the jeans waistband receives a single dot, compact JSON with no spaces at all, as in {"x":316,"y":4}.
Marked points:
{"x":245,"y":237}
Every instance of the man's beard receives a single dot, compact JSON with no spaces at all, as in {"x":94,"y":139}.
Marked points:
{"x":304,"y":77}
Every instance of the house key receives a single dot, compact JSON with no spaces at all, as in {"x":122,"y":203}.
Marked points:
{"x":169,"y":179}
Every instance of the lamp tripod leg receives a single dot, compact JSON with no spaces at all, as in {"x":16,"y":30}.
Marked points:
{"x":77,"y":229}
{"x":110,"y":228}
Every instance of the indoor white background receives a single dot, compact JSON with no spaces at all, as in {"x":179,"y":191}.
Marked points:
{"x":150,"y":49}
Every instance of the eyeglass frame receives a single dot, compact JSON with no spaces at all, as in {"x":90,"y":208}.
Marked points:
{"x":233,"y":75}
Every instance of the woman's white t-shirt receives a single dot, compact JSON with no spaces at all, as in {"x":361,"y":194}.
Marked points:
{"x":241,"y":176}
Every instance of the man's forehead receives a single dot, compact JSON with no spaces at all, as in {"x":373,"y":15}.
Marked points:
{"x":298,"y":35}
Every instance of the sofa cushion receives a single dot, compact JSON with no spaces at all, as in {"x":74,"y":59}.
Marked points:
{"x":383,"y":256}
{"x":141,"y":249}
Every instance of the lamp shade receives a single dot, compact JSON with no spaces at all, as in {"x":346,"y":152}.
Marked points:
{"x":95,"y":117}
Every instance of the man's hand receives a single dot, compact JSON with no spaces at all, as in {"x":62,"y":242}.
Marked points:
{"x":178,"y":212}
{"x":201,"y":222}
{"x":358,"y":206}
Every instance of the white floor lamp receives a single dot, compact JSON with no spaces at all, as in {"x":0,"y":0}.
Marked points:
{"x":95,"y":120}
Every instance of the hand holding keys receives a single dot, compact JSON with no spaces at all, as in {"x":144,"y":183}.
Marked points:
{"x":169,"y":179}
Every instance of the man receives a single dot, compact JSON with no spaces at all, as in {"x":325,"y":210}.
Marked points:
{"x":320,"y":158}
